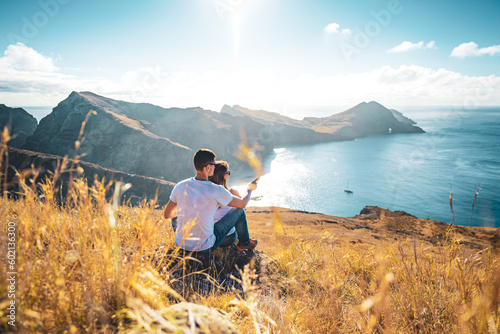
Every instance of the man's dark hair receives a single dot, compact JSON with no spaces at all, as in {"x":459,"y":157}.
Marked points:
{"x":202,"y":158}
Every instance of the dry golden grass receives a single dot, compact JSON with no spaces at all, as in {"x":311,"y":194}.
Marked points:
{"x":87,"y":266}
{"x":77,"y":273}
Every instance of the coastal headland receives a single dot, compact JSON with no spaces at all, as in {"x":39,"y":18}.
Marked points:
{"x":148,"y":140}
{"x":152,"y":147}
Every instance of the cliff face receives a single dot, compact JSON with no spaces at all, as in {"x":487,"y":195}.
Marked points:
{"x":111,"y":139}
{"x":402,"y":118}
{"x":21,"y":124}
{"x":141,"y":138}
{"x":365,"y":119}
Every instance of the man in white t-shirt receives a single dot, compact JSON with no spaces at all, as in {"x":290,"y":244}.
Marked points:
{"x":194,"y":202}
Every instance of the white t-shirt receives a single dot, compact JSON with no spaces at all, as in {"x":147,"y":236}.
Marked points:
{"x":197,"y":201}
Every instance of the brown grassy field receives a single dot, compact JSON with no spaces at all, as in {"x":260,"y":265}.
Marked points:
{"x":82,"y":268}
{"x":89,"y":266}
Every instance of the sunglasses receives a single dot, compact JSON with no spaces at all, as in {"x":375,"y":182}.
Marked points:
{"x":228,"y":172}
{"x":211,"y":163}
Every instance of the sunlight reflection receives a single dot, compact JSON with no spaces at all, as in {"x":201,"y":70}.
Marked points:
{"x":283,"y":182}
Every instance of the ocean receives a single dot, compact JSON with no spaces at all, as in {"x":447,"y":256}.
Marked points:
{"x":38,"y":112}
{"x":415,"y":173}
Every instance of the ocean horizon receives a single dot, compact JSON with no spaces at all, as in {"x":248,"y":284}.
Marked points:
{"x":415,"y":173}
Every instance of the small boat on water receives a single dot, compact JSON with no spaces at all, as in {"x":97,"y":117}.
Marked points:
{"x":347,"y":189}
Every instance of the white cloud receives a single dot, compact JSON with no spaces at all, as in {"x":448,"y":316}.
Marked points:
{"x":430,"y":45}
{"x":334,"y":28}
{"x":29,"y":78}
{"x":471,"y":49}
{"x":404,"y":85}
{"x":409,"y":46}
{"x":22,"y":57}
{"x":253,"y":88}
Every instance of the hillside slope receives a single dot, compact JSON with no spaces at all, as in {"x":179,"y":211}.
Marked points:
{"x":140,"y":138}
{"x":21,"y":124}
{"x":142,"y":187}
{"x":362,"y":120}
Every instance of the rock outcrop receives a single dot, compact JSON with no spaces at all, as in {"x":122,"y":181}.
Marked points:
{"x":112,"y":140}
{"x":402,"y":118}
{"x":21,"y":124}
{"x":140,"y":138}
{"x":189,"y":318}
{"x":365,"y":119}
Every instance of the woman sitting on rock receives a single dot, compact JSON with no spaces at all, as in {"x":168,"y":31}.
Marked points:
{"x":220,"y":176}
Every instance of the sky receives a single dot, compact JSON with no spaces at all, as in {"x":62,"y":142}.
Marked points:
{"x":287,"y":56}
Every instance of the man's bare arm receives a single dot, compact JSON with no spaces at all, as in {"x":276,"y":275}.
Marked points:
{"x":170,"y":210}
{"x":241,"y":203}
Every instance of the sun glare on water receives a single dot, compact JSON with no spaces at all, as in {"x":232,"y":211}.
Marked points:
{"x":280,"y":184}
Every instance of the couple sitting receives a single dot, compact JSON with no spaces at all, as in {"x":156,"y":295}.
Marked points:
{"x":206,"y":214}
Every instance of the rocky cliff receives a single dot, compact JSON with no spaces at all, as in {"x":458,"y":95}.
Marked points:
{"x":402,"y":118}
{"x":141,"y":138}
{"x":144,"y":139}
{"x":365,"y":119}
{"x":21,"y":124}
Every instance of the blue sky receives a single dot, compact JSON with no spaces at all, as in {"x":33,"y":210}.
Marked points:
{"x":278,"y":55}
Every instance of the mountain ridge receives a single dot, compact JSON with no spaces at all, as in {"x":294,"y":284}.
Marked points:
{"x":149,"y":140}
{"x":143,"y":187}
{"x":142,"y":138}
{"x":263,"y":115}
{"x":111,"y":139}
{"x":21,"y":124}
{"x":364,"y":119}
